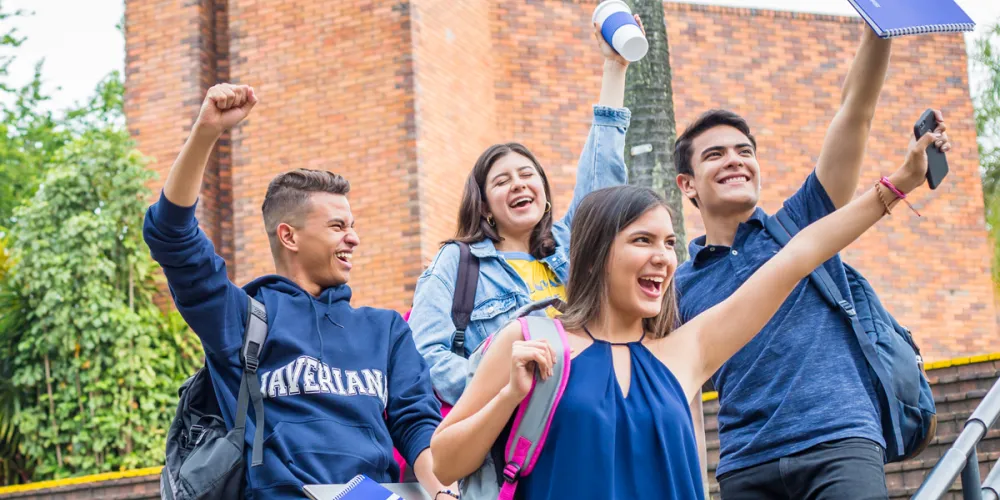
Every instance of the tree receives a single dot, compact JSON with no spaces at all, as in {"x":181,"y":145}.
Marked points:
{"x":649,"y":145}
{"x":29,"y":137}
{"x":14,"y":466}
{"x":89,"y":365}
{"x":29,"y":134}
{"x":96,"y":364}
{"x":986,"y":61}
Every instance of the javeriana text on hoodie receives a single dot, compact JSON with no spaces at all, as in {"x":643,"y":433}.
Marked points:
{"x":341,"y":385}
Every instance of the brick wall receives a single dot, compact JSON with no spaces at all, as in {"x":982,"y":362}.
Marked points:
{"x":402,"y":97}
{"x":454,"y":81}
{"x":336,"y":86}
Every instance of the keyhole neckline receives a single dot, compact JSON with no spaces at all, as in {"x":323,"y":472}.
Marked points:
{"x":591,"y":335}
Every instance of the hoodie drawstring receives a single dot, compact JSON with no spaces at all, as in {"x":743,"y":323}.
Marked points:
{"x":315,"y":315}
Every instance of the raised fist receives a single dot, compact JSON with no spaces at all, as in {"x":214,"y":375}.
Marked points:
{"x":224,"y":107}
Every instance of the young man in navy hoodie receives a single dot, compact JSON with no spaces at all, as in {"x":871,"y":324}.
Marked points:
{"x":341,"y":385}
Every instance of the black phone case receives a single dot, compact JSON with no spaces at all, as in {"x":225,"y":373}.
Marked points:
{"x":937,"y":164}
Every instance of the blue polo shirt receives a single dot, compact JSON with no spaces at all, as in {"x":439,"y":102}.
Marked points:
{"x":803,"y":379}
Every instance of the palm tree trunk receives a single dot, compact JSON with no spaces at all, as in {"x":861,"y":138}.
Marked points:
{"x":649,"y":145}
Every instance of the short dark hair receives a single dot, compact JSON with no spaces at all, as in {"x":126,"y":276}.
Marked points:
{"x":708,"y":120}
{"x":472,"y":224}
{"x":288,"y":196}
{"x":600,"y":217}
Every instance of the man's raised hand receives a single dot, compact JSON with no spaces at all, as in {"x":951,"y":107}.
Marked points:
{"x":225,"y":106}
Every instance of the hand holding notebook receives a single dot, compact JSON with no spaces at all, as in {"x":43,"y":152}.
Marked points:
{"x":363,"y":488}
{"x":892,"y":18}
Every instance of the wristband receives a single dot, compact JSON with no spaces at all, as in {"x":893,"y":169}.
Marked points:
{"x":899,"y":194}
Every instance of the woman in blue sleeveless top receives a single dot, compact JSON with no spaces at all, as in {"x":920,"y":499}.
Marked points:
{"x":623,"y":428}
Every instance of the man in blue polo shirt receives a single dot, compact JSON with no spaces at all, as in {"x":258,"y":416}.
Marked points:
{"x":797,"y":418}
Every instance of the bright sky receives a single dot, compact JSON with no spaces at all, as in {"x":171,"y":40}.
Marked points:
{"x":80,"y":44}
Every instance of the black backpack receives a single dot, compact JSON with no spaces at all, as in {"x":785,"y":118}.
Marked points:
{"x":204,"y":460}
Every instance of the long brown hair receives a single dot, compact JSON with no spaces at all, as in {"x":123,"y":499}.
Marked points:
{"x":600,"y":217}
{"x":472,"y":224}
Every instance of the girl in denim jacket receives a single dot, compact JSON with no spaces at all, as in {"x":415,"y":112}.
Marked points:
{"x":506,"y":218}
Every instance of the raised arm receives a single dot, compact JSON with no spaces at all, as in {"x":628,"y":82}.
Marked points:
{"x":225,"y":105}
{"x":602,"y":161}
{"x":839,"y":164}
{"x":702,"y":345}
{"x":502,"y":380}
{"x":197,"y":276}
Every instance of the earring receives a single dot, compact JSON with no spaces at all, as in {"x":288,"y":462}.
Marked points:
{"x":548,"y":207}
{"x":489,"y":220}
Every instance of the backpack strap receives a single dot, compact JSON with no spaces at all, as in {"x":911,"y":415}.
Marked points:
{"x":255,"y":333}
{"x":782,"y":228}
{"x":539,"y":305}
{"x":464,"y":300}
{"x":534,"y":414}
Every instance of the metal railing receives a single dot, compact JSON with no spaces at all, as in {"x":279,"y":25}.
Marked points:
{"x":961,"y":458}
{"x":991,"y":487}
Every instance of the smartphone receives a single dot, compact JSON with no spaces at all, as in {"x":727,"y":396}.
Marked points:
{"x":937,"y":164}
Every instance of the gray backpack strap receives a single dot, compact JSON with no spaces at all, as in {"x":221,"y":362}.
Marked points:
{"x":534,"y":415}
{"x":539,"y":305}
{"x":254,"y":336}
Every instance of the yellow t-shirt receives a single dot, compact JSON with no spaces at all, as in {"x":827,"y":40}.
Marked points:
{"x":542,"y":282}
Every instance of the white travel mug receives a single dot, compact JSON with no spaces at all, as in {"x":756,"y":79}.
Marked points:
{"x":619,"y":29}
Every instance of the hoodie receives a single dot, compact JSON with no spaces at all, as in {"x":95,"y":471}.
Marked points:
{"x":342,"y":385}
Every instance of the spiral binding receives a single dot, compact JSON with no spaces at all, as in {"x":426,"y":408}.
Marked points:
{"x":931,"y":28}
{"x":350,"y":486}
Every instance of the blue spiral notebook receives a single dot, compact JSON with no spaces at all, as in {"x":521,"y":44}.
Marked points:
{"x":363,"y":488}
{"x":891,"y":18}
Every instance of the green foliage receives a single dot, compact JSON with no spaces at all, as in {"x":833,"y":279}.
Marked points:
{"x":29,"y":134}
{"x":89,"y":365}
{"x":28,"y":137}
{"x":96,"y":361}
{"x":986,"y":61}
{"x":14,"y":467}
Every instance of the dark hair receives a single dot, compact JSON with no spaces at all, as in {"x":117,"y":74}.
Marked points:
{"x":288,"y":196}
{"x":472,"y":224}
{"x":600,"y":217}
{"x":708,"y":120}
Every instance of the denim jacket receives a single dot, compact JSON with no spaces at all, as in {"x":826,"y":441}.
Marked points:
{"x":500,"y":290}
